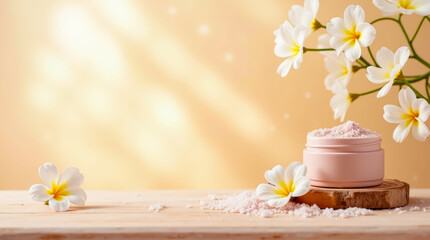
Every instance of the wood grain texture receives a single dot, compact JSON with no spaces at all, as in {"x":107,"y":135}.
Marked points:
{"x":125,"y":215}
{"x":390,"y":194}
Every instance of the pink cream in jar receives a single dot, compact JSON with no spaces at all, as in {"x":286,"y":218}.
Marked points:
{"x":346,"y":156}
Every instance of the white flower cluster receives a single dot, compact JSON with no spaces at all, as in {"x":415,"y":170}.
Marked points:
{"x":342,"y":47}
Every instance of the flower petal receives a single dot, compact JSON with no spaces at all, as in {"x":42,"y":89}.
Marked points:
{"x":367,"y":32}
{"x":291,"y":171}
{"x":295,"y":14}
{"x":266,"y":192}
{"x":332,"y":79}
{"x":297,"y":61}
{"x":77,"y":196}
{"x":393,"y":114}
{"x":283,"y":50}
{"x":339,"y":102}
{"x":377,"y":75}
{"x":59,"y":206}
{"x":396,"y":69}
{"x":420,"y":131}
{"x":401,"y":56}
{"x":388,"y":9}
{"x":286,"y":31}
{"x":302,"y":186}
{"x":336,"y":64}
{"x":385,"y":58}
{"x":299,"y":34}
{"x":353,"y":53}
{"x":279,"y":202}
{"x":312,"y":5}
{"x":338,"y":43}
{"x":422,"y":7}
{"x":336,"y":27}
{"x":401,"y":131}
{"x":353,"y":15}
{"x":285,"y":67}
{"x":38,"y":192}
{"x":406,"y":98}
{"x":71,"y":177}
{"x":385,"y":89}
{"x":48,"y":173}
{"x":422,"y":107}
{"x":300,"y":171}
{"x":278,"y":37}
{"x":276,"y":176}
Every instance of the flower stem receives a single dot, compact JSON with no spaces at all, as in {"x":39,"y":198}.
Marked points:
{"x":360,"y":63}
{"x":401,"y":83}
{"x":305,"y":49}
{"x":399,"y":21}
{"x":418,"y":29}
{"x":369,"y":92}
{"x":365,"y":61}
{"x":427,"y":87}
{"x":382,"y":19}
{"x":419,"y":95}
{"x":415,"y":55}
{"x":371,"y":56}
{"x":417,"y":77}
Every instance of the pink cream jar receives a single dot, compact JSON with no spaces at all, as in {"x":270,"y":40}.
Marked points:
{"x":344,"y":159}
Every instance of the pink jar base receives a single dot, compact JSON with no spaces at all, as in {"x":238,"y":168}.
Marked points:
{"x":344,"y":162}
{"x":318,"y":183}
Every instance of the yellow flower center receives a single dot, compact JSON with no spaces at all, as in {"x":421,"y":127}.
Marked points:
{"x":285,"y":189}
{"x":351,"y":35}
{"x":57,"y":191}
{"x":345,"y":71}
{"x":411,"y":117}
{"x":295,"y":49}
{"x":397,"y":75}
{"x":387,"y":75}
{"x":406,"y":4}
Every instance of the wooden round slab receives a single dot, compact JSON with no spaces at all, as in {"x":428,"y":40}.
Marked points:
{"x":390,"y":194}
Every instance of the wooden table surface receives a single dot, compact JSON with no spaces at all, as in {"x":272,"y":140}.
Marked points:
{"x":125,"y":215}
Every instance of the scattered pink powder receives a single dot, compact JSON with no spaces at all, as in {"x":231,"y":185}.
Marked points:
{"x":348,"y":129}
{"x":247,"y":203}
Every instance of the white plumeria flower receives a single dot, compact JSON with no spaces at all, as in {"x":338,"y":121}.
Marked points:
{"x":289,"y":44}
{"x":394,"y":7}
{"x":59,"y":191}
{"x":412,"y":113}
{"x":340,"y":71}
{"x":284,"y":184}
{"x":340,"y":101}
{"x":351,"y":33}
{"x":391,"y":66}
{"x":305,"y":16}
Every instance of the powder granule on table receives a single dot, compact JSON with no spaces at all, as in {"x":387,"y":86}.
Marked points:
{"x":247,"y":203}
{"x":410,"y":208}
{"x":156,"y":207}
{"x":350,"y":129}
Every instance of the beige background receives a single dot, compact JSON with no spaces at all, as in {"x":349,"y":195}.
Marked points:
{"x":174,"y":94}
